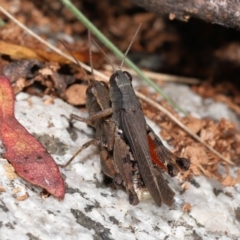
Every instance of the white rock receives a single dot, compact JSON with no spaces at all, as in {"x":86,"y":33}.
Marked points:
{"x":91,"y":210}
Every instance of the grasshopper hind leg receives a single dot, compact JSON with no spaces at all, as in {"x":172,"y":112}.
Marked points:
{"x":84,"y":146}
{"x":108,"y":167}
{"x":124,"y":165}
{"x":165,"y":158}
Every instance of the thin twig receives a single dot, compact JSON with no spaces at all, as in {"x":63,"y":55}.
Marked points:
{"x":160,"y":76}
{"x":181,"y":125}
{"x":86,"y":67}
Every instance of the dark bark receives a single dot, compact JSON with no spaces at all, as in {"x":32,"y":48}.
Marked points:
{"x":222,"y":12}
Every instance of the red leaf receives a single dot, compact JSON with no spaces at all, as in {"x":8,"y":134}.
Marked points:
{"x":29,"y":158}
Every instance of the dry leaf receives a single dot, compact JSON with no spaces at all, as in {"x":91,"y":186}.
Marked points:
{"x":28,"y":157}
{"x":75,"y":94}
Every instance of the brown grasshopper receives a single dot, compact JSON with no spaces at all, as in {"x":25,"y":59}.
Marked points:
{"x":132,"y":128}
{"x":98,"y":101}
{"x":124,"y":139}
{"x":124,"y":173}
{"x":118,"y":159}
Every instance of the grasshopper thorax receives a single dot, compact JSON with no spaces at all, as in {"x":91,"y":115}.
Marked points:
{"x":120,"y":79}
{"x":121,"y":92}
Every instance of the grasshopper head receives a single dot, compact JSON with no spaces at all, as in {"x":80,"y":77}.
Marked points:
{"x":121,"y":78}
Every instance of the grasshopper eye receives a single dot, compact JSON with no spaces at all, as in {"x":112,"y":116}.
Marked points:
{"x":128,"y":75}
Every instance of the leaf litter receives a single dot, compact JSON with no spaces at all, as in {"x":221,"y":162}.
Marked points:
{"x":223,"y":136}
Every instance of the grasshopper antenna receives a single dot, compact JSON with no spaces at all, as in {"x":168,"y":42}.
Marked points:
{"x":125,"y":54}
{"x":104,"y":55}
{"x":65,"y":45}
{"x":90,"y":52}
{"x":76,"y":61}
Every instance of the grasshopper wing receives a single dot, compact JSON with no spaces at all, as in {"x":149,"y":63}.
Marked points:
{"x":136,"y":136}
{"x":165,"y":158}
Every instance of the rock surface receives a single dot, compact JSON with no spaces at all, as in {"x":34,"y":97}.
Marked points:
{"x":90,"y":209}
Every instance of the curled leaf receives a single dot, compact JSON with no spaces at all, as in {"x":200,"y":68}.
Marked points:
{"x":29,"y":158}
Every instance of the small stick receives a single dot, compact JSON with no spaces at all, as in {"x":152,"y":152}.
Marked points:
{"x":161,"y":76}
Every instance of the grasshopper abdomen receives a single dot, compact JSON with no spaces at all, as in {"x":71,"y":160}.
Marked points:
{"x":129,"y":118}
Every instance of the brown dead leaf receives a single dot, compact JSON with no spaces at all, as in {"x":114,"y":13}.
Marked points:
{"x":209,"y":132}
{"x":18,"y":52}
{"x":75,"y":94}
{"x":194,"y":124}
{"x":46,"y":71}
{"x":60,"y":81}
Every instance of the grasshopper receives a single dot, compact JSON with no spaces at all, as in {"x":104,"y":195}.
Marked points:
{"x":98,"y":105}
{"x":137,"y":162}
{"x":130,"y":121}
{"x":131,"y":128}
{"x":98,"y":101}
{"x":130,"y":152}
